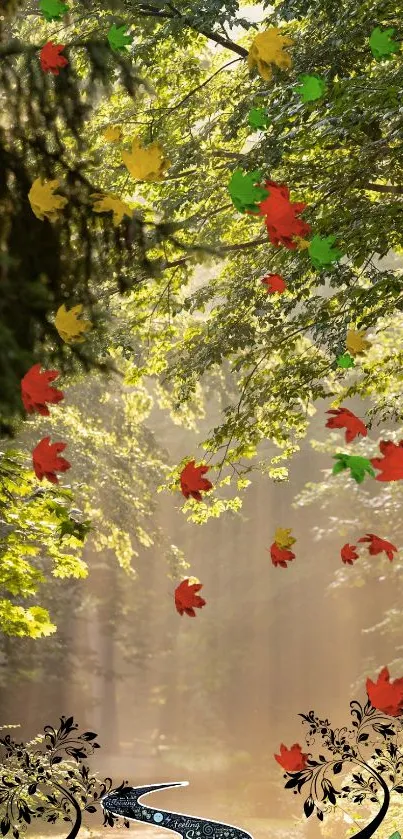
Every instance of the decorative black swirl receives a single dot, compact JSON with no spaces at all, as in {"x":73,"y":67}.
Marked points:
{"x":382,"y":762}
{"x":124,"y":802}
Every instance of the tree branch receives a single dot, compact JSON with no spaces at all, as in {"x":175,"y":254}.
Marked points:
{"x":147,"y":10}
{"x":396,"y":190}
{"x":216,"y":251}
{"x":199,"y":87}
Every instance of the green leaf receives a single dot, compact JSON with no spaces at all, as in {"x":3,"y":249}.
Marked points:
{"x":53,"y":9}
{"x":245,"y":191}
{"x":118,"y":38}
{"x":359,"y":466}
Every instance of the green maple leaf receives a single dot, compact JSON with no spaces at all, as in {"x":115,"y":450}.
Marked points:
{"x":395,"y":835}
{"x":79,"y":530}
{"x":381,"y":43}
{"x":358,"y":466}
{"x":311,"y":87}
{"x":245,"y":191}
{"x":345,"y":360}
{"x":53,"y":9}
{"x":118,"y":38}
{"x":258,"y":118}
{"x":322,"y":252}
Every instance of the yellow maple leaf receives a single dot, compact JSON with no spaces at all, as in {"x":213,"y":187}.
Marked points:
{"x":113,"y":133}
{"x":111,"y":203}
{"x":146,"y":163}
{"x":283,"y":538}
{"x":193,"y":581}
{"x":44,"y":204}
{"x":69,"y":327}
{"x":268,"y":48}
{"x":356,"y":343}
{"x":302,"y":244}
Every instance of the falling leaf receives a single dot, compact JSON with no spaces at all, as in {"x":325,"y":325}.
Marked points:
{"x":274,"y":283}
{"x":376,"y":545}
{"x":53,"y":9}
{"x":36,"y":390}
{"x":343,"y":418}
{"x":245,"y":191}
{"x":186,"y":598}
{"x":386,"y":696}
{"x":146,"y":163}
{"x":268,"y":48}
{"x":356,"y":343}
{"x":192,"y":481}
{"x":345,"y":361}
{"x":391,"y":466}
{"x":359,"y":466}
{"x":111,"y":203}
{"x":311,"y":87}
{"x":47,"y":462}
{"x":302,"y":244}
{"x":118,"y":38}
{"x":280,"y":556}
{"x":381,"y":43}
{"x":280,"y":214}
{"x":322,"y":252}
{"x":69,"y":327}
{"x":51,"y":59}
{"x":349,"y":554}
{"x":43,"y":203}
{"x":293,"y":759}
{"x":283,"y":538}
{"x":258,"y":118}
{"x":113,"y":133}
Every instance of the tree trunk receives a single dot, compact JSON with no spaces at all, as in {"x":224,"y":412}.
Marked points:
{"x":370,"y":829}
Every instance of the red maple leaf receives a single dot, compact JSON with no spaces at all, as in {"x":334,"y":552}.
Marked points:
{"x":391,"y":466}
{"x":192,"y":481}
{"x":343,"y":418}
{"x":50,"y":58}
{"x":47,"y":462}
{"x":280,"y":556}
{"x":274,"y":282}
{"x":186,"y":599}
{"x":292,"y":760}
{"x":280,"y":214}
{"x":386,"y":696}
{"x":377,"y":545}
{"x":36,"y":390}
{"x":348,"y":553}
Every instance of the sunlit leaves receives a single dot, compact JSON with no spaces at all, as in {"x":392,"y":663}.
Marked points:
{"x":31,"y":528}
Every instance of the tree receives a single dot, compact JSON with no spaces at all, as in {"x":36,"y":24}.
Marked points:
{"x":368,"y":774}
{"x":242,"y":327}
{"x":268,"y":360}
{"x":280,"y":352}
{"x":44,"y":783}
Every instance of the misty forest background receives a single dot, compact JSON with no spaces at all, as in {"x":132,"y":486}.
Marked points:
{"x":208,"y":699}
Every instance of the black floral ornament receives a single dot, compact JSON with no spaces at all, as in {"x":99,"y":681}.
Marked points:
{"x":46,"y":779}
{"x":369,"y":753}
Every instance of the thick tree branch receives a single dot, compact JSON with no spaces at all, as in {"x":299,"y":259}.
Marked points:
{"x":218,"y":251}
{"x":396,"y":190}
